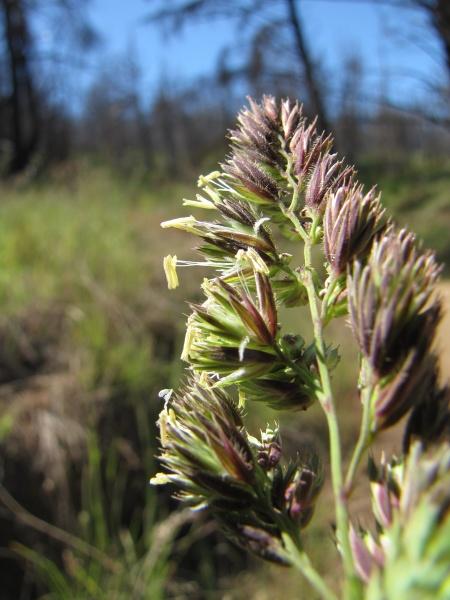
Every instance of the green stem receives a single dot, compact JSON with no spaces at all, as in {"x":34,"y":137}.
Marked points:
{"x":327,"y":402}
{"x":301,"y":562}
{"x":295,"y":199}
{"x":364,"y":440}
{"x":295,"y":222}
{"x":333,"y":290}
{"x":326,"y":299}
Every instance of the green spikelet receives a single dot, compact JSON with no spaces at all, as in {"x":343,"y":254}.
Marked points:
{"x":409,"y":559}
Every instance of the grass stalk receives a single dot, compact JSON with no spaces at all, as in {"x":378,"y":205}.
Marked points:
{"x":326,"y":399}
{"x":365,"y":439}
{"x":301,"y":562}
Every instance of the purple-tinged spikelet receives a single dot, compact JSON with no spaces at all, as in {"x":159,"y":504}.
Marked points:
{"x":301,"y":492}
{"x":254,"y":177}
{"x":328,"y":174}
{"x":390,"y":299}
{"x":352,"y":220}
{"x":394,"y":315}
{"x":232,"y":338}
{"x":407,"y":388}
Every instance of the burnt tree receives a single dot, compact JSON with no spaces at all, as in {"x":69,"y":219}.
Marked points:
{"x":21,"y":102}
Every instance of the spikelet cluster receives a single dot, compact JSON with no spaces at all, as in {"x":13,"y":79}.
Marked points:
{"x":408,"y":556}
{"x":275,"y":153}
{"x":394,"y":313}
{"x":215,"y":464}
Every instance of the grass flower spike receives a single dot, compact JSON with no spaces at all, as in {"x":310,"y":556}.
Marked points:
{"x":214,"y":463}
{"x":282,"y":180}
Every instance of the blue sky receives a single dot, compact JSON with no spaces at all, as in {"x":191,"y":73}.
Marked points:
{"x":338,"y":28}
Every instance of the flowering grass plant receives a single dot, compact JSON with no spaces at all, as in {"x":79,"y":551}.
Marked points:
{"x":282,"y":180}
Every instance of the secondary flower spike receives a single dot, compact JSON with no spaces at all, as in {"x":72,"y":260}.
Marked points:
{"x":391,"y":305}
{"x":213,"y":463}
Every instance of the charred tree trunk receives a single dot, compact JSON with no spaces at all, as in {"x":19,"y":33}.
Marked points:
{"x":23,"y":103}
{"x":441,"y":21}
{"x":312,"y":82}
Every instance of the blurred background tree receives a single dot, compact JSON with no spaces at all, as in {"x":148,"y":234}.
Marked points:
{"x":28,"y":114}
{"x":271,"y":27}
{"x":60,"y":99}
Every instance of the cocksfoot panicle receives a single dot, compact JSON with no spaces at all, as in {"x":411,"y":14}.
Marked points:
{"x":282,"y":179}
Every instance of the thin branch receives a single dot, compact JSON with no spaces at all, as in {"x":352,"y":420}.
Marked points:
{"x":411,"y":6}
{"x":310,"y":71}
